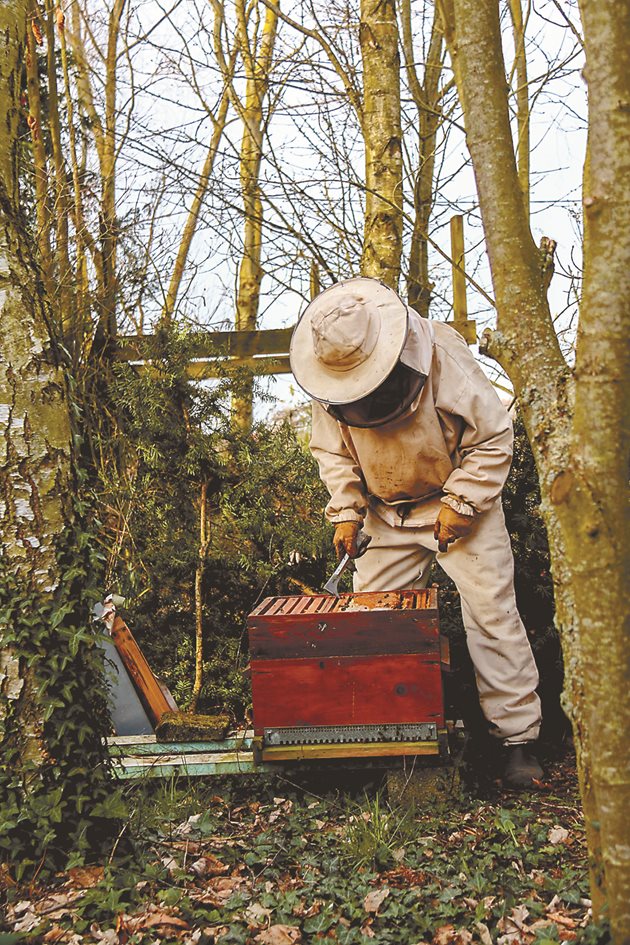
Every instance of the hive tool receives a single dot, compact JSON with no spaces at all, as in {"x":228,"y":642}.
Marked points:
{"x":331,"y":585}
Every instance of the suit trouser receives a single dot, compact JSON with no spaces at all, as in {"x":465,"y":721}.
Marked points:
{"x":482,"y":567}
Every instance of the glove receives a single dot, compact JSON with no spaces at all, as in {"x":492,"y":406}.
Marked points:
{"x":345,"y":540}
{"x":450,"y":526}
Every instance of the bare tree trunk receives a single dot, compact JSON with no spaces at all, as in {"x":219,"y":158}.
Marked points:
{"x":595,"y":510}
{"x":577,"y":421}
{"x":82,"y":323}
{"x":204,"y":543}
{"x":109,"y":224}
{"x":62,"y":301}
{"x":426,"y":97}
{"x":522,"y":98}
{"x":382,"y":240}
{"x":195,"y":209}
{"x":257,"y":57}
{"x":40,"y":164}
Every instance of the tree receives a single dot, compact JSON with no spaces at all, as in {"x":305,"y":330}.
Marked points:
{"x":382,"y":135}
{"x":52,"y":699}
{"x":576,"y":416}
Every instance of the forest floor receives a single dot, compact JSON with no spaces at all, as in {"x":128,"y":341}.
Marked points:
{"x":272,"y":861}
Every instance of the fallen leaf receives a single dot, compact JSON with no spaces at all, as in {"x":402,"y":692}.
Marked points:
{"x":257,"y":914}
{"x":155,"y":920}
{"x":560,"y":919}
{"x":374,"y":899}
{"x":85,"y":877}
{"x":193,"y":938}
{"x":169,"y":863}
{"x":183,"y":830}
{"x":558,"y":834}
{"x":314,"y":909}
{"x":443,"y":935}
{"x":108,"y":937}
{"x":208,"y":865}
{"x":404,"y":877}
{"x":279,"y":935}
{"x":27,"y":921}
{"x":56,"y":934}
{"x":484,"y":933}
{"x":224,"y":886}
{"x":514,"y":927}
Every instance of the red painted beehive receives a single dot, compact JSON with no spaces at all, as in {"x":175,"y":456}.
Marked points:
{"x":358,"y":674}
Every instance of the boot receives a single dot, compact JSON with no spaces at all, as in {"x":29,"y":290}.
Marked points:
{"x":521,"y":766}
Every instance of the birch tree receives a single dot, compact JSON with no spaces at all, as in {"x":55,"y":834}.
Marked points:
{"x":427,"y":96}
{"x":50,"y":730}
{"x":382,"y":136}
{"x":576,"y":416}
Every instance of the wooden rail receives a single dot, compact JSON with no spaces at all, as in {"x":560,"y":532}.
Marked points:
{"x":266,"y":351}
{"x":213,"y":353}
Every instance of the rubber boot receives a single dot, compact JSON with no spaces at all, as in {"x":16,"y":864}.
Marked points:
{"x":521,"y":766}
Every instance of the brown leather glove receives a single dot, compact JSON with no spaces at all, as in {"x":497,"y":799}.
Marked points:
{"x":345,"y":540}
{"x":450,"y":526}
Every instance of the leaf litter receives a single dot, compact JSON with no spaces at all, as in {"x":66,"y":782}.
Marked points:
{"x":269,"y":862}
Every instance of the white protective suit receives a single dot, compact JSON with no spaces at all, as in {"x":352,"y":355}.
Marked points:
{"x":453,"y":445}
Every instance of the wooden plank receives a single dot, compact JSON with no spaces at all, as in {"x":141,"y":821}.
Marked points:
{"x":180,"y":758}
{"x":203,"y":370}
{"x":213,"y":344}
{"x":124,"y":740}
{"x":461,"y":323}
{"x":277,"y":605}
{"x":301,"y":605}
{"x":182,"y":748}
{"x":349,"y":750}
{"x":343,"y":634}
{"x":445,"y":652}
{"x":152,"y":695}
{"x":187,"y":765}
{"x":346,"y":691}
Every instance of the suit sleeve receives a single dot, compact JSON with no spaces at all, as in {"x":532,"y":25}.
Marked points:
{"x":338,"y":469}
{"x":485,"y":445}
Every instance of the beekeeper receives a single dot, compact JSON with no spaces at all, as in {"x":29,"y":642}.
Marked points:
{"x":413,"y":443}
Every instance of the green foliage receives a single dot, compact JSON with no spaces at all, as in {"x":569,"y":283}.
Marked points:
{"x":235,"y":856}
{"x":56,"y":795}
{"x":266,"y":531}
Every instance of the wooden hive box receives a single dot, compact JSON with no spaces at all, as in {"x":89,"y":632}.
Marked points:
{"x":355,"y":675}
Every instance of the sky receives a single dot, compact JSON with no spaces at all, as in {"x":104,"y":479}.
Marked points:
{"x":176,"y":84}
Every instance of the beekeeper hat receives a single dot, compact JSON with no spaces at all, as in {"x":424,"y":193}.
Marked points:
{"x":348,"y":340}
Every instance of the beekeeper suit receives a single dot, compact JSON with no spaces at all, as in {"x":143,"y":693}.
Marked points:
{"x":413,"y":444}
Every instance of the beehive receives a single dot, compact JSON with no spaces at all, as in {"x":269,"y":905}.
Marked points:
{"x":358,"y":674}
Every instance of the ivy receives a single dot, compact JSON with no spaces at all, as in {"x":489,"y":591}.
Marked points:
{"x":57,"y":799}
